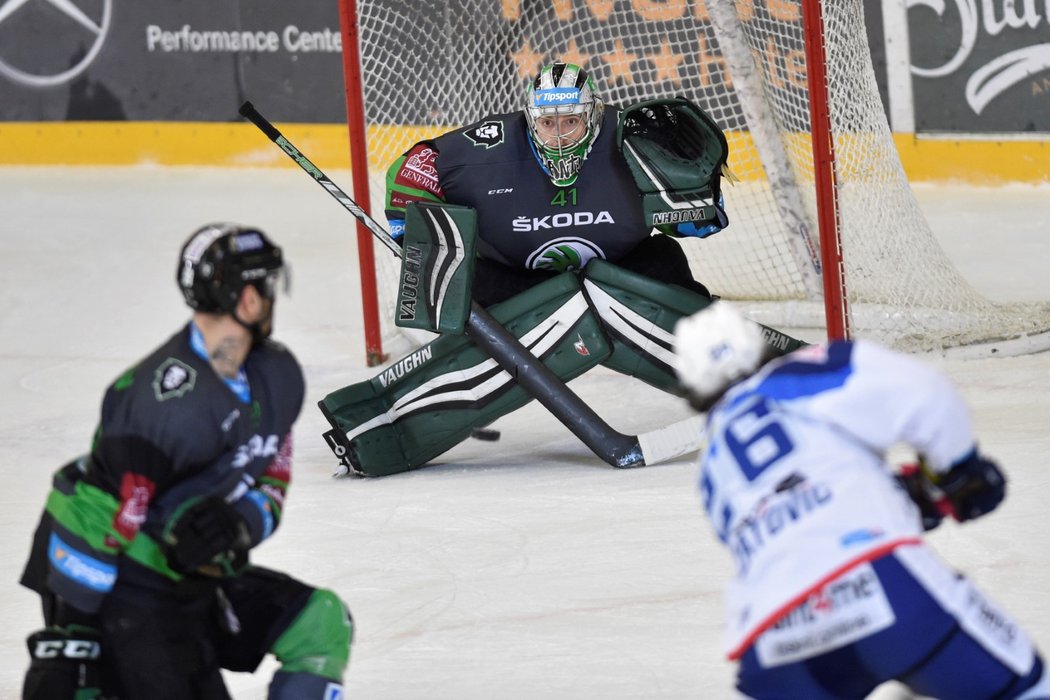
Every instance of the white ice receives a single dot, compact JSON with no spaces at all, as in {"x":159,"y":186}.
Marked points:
{"x":521,"y":569}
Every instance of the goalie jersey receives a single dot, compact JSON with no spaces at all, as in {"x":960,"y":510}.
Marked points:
{"x":794,"y":477}
{"x":524,"y":220}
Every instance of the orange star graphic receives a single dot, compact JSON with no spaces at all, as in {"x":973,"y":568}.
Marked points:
{"x":783,"y":10}
{"x":666,"y":63}
{"x":510,"y":9}
{"x":527,"y":60}
{"x":619,"y":62}
{"x":572,"y":54}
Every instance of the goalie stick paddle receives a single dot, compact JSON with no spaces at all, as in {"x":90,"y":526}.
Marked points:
{"x":531,"y":374}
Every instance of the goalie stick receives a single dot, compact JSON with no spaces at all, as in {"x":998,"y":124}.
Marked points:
{"x":615,"y":448}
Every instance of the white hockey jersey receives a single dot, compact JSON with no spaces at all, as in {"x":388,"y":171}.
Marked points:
{"x":794,"y":477}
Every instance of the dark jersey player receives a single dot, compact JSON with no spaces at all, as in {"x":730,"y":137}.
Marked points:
{"x":141,"y":556}
{"x":550,"y":187}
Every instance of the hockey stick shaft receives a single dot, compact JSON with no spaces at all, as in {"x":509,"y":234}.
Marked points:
{"x":545,"y":386}
{"x":249,"y":112}
{"x":531,"y":374}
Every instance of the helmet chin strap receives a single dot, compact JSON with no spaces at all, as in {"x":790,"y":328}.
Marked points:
{"x":257,"y":330}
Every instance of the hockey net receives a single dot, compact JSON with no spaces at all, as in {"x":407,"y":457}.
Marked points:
{"x":432,"y":65}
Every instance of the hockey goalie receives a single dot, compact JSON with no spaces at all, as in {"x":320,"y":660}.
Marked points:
{"x":564,"y":221}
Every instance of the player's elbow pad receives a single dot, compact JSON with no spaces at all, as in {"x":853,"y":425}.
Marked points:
{"x":974,"y":486}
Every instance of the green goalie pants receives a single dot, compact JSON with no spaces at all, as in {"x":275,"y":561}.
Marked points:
{"x":430,"y":400}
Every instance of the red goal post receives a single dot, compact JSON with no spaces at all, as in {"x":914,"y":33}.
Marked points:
{"x":791,"y":83}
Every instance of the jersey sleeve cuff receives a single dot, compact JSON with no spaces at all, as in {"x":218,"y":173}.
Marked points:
{"x":257,"y":512}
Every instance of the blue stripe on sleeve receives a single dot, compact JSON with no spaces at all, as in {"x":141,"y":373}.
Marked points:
{"x":793,"y":380}
{"x":266,"y":515}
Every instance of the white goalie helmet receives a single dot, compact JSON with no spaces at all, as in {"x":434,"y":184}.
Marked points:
{"x":564,"y":116}
{"x":715,"y":348}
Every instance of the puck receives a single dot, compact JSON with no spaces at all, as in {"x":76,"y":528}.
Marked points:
{"x":486,"y":434}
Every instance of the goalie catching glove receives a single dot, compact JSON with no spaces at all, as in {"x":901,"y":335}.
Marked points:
{"x":677,"y":155}
{"x":206,"y":536}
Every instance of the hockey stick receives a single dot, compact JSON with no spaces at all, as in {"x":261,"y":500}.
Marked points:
{"x":531,"y":374}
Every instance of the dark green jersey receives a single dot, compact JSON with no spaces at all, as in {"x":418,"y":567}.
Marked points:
{"x":524,"y":220}
{"x":170,"y":429}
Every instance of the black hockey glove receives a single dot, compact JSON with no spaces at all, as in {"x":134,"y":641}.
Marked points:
{"x":917,"y":485}
{"x":974,"y":487}
{"x":64,"y":664}
{"x":206,"y":536}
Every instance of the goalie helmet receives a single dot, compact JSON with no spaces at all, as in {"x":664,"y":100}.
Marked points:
{"x":714,"y":349}
{"x":564,"y":116}
{"x":220,"y":260}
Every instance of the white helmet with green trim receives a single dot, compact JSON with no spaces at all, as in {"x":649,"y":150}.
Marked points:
{"x":564,"y":116}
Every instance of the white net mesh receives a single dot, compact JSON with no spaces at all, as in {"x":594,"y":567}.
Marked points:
{"x":432,"y":65}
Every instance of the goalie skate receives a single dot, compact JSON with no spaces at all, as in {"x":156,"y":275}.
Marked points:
{"x":343,"y":452}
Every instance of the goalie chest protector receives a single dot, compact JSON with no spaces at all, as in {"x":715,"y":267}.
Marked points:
{"x":525,"y":220}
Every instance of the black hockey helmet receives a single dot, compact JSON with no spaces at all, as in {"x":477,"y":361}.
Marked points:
{"x":219,"y":260}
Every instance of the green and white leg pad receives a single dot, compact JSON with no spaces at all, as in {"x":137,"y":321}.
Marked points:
{"x":430,"y":400}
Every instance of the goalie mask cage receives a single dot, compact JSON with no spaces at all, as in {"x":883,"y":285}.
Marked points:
{"x":428,"y":66}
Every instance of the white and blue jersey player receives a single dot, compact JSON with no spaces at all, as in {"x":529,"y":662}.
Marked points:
{"x":835,"y":592}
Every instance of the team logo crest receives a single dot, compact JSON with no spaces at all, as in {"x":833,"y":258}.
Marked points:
{"x":173,"y":379}
{"x":581,"y":347}
{"x":488,"y":134}
{"x":561,"y":254}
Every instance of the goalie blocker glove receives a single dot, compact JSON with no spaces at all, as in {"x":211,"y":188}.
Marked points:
{"x":974,"y":486}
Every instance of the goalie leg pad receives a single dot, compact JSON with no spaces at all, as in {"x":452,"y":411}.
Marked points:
{"x":430,"y":400}
{"x":638,"y":315}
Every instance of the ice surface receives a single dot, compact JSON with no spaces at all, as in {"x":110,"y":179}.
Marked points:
{"x":524,"y":568}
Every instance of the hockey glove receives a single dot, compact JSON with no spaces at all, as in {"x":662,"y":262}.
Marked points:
{"x":707,"y":229}
{"x":931,"y":509}
{"x":206,"y":536}
{"x":974,"y":487}
{"x":64,"y":664}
